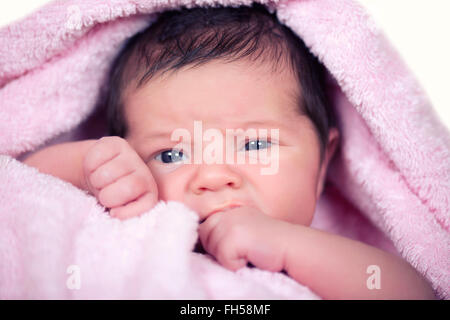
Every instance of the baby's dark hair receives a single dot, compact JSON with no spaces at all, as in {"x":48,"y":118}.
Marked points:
{"x":185,"y":37}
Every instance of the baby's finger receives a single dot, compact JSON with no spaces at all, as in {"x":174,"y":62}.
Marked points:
{"x":124,"y":190}
{"x":110,"y":172}
{"x":228,"y":258}
{"x":207,"y":228}
{"x":226,"y":252}
{"x":135,"y":208}
{"x":104,"y":150}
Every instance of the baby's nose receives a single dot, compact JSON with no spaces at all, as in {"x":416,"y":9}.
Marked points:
{"x":213,"y":177}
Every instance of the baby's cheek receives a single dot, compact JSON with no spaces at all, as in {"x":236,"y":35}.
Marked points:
{"x":290,"y":196}
{"x":169,"y":185}
{"x":293,"y":208}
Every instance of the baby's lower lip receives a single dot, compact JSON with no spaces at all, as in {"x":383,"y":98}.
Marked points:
{"x":216,"y":211}
{"x":227,"y":208}
{"x":232,"y":207}
{"x":223,"y":210}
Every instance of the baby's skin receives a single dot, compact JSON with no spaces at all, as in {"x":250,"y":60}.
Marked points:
{"x":244,"y":217}
{"x":115,"y":174}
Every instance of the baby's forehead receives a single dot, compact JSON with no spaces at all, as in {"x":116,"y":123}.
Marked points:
{"x":234,"y":91}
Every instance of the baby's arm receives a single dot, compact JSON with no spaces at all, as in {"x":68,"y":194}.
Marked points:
{"x":108,"y":168}
{"x":336,"y":267}
{"x":332,"y":266}
{"x":64,"y":161}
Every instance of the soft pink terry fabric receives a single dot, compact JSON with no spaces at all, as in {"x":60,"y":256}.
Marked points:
{"x":48,"y":225}
{"x":389,"y":185}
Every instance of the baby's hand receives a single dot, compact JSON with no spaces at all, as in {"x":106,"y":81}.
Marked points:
{"x":244,"y":234}
{"x":119,"y":178}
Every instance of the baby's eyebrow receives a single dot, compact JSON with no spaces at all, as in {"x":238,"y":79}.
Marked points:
{"x":272,"y":124}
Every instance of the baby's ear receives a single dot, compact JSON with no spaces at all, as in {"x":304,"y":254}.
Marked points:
{"x":330,"y":149}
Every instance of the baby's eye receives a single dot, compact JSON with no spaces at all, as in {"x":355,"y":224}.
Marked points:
{"x":257,"y":144}
{"x":170,"y":156}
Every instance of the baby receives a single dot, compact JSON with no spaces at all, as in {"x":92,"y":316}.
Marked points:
{"x":230,"y":68}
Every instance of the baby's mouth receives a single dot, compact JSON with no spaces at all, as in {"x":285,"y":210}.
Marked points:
{"x":225,"y":207}
{"x":198,"y":246}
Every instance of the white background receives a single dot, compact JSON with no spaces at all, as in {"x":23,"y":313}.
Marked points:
{"x":419,"y":30}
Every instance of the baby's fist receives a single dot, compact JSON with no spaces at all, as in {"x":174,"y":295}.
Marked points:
{"x":118,"y":178}
{"x":245,"y":234}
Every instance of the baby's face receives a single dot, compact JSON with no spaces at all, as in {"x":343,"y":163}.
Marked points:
{"x":228,"y":96}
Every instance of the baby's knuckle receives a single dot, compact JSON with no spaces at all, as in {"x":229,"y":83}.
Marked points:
{"x":103,"y":140}
{"x":94,"y":157}
{"x":97,"y":177}
{"x":94,"y":181}
{"x":224,"y":254}
{"x":110,"y":139}
{"x":120,"y":142}
{"x":102,"y":174}
{"x":114,"y":142}
{"x":90,"y":160}
{"x":88,"y":164}
{"x":103,"y":143}
{"x":128,"y":190}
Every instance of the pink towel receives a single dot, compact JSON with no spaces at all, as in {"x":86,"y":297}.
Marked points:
{"x":388,"y":186}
